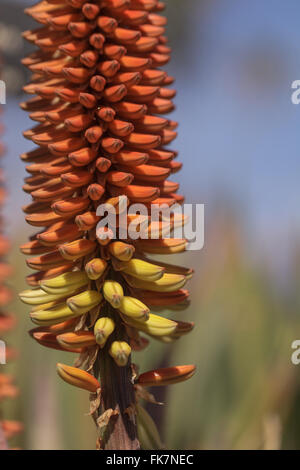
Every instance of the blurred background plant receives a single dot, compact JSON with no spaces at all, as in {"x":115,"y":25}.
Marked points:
{"x":239,"y":141}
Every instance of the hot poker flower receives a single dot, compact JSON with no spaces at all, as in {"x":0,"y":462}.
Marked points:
{"x":8,"y":389}
{"x":99,"y":102}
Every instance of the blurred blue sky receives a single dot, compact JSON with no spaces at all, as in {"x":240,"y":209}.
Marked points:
{"x":234,"y":62}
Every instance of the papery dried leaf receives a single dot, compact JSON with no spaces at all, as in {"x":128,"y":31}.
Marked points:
{"x":95,"y":400}
{"x":142,"y":394}
{"x":104,"y":419}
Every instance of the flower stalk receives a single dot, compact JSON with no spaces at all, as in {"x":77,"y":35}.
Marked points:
{"x":118,"y":395}
{"x":99,"y":100}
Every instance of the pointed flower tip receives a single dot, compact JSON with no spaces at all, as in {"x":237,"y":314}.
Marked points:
{"x":78,"y":377}
{"x":166,"y":376}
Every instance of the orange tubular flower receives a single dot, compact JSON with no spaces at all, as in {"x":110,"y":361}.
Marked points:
{"x":78,"y":378}
{"x":166,"y":376}
{"x":99,"y":94}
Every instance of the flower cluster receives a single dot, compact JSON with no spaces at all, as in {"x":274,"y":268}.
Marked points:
{"x":99,"y":96}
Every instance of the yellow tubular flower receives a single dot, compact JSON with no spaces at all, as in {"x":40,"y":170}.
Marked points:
{"x":113,"y":293}
{"x":155,"y":325}
{"x":40,"y":297}
{"x":103,"y":329}
{"x":71,"y":280}
{"x":167,"y":283}
{"x":134,"y":308}
{"x":84,"y":302}
{"x":120,"y":352}
{"x":142,"y":270}
{"x":53,"y":316}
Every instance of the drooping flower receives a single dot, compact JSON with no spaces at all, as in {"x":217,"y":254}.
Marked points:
{"x":99,"y":96}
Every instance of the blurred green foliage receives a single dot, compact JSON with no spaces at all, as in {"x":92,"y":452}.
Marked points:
{"x":246,"y":387}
